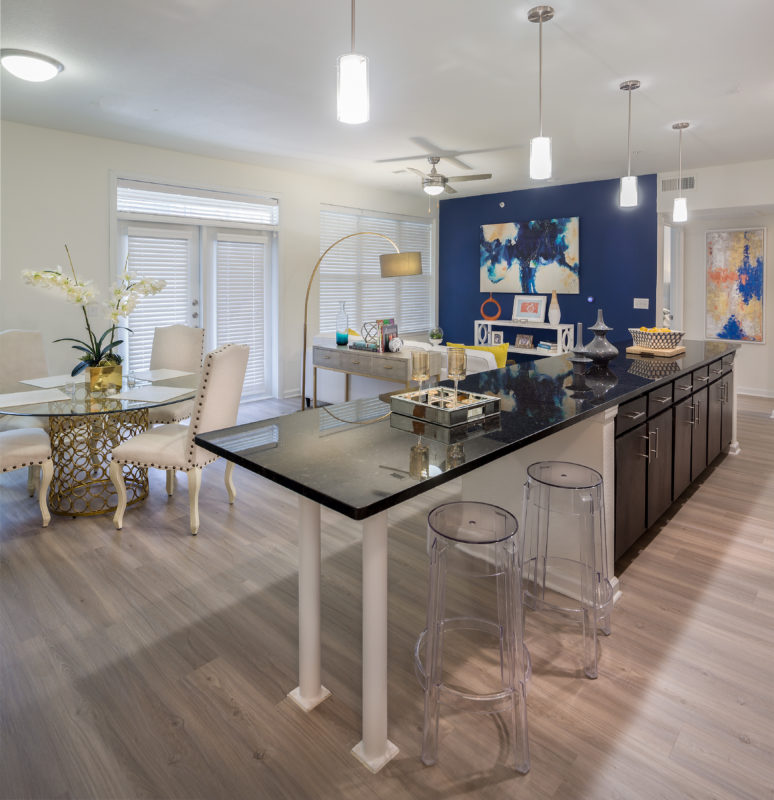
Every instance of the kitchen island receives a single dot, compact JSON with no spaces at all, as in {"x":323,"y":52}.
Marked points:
{"x":355,"y":460}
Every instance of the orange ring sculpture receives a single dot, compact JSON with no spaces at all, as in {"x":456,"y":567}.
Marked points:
{"x":484,"y":315}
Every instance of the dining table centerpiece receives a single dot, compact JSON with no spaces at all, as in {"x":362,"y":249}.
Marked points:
{"x":99,"y":354}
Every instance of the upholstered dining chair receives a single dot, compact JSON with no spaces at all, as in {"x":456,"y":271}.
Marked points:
{"x":31,"y":448}
{"x":171,"y":447}
{"x":176,"y":347}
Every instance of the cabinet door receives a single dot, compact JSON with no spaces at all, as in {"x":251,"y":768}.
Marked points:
{"x":630,"y":487}
{"x":714,"y":410}
{"x":683,"y":428}
{"x":726,"y":410}
{"x":659,"y":465}
{"x":699,"y":437}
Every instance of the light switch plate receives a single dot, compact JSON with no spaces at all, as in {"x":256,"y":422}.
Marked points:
{"x":641,"y":302}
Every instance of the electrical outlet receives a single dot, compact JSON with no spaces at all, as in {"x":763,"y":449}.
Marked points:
{"x":641,"y":302}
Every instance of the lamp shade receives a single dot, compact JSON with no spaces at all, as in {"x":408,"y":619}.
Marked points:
{"x":30,"y":66}
{"x":540,"y":158}
{"x":680,"y":210}
{"x":352,"y":96}
{"x":396,"y":265}
{"x":628,"y":196}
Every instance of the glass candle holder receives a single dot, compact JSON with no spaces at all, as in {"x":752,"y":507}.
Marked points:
{"x":457,"y":363}
{"x":420,"y":366}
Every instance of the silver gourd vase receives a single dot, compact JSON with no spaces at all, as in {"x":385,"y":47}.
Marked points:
{"x":599,"y":349}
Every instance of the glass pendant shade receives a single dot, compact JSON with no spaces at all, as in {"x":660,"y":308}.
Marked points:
{"x":352,"y":89}
{"x":433,"y":188}
{"x":540,"y":158}
{"x":30,"y":66}
{"x":628,"y":196}
{"x":680,"y":210}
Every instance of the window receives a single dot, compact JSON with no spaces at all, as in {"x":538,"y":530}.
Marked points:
{"x":216,"y":252}
{"x":350,"y":272}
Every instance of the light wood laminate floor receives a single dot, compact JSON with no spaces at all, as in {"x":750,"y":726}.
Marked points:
{"x":147,"y":663}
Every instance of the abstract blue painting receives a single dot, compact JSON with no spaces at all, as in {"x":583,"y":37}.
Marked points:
{"x":534,"y":257}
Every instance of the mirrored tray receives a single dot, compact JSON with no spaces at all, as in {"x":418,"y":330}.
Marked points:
{"x":441,"y":406}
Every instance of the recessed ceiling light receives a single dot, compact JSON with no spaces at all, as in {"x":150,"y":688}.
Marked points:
{"x":30,"y":66}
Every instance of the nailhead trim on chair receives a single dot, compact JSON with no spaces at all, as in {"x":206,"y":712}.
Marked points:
{"x":162,"y":466}
{"x":27,"y":464}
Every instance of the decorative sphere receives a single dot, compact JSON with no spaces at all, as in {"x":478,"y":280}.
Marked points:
{"x":436,"y":335}
{"x":395,"y":344}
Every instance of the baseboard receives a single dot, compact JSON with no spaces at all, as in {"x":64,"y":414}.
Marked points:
{"x":755,"y":392}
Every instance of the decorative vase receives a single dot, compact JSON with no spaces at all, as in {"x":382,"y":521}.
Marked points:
{"x":554,"y":312}
{"x":342,"y":325}
{"x":105,"y":379}
{"x":599,"y":350}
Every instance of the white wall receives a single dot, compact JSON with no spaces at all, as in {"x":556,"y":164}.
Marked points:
{"x":732,"y":196}
{"x":55,"y":190}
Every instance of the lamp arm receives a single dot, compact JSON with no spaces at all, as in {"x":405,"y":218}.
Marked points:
{"x":309,"y":288}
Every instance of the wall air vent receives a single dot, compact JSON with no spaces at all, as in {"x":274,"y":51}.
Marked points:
{"x":670,"y":184}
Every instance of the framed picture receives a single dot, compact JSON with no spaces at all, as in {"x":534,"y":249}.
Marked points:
{"x":736,"y":262}
{"x":497,"y":337}
{"x":523,"y":340}
{"x":529,"y":308}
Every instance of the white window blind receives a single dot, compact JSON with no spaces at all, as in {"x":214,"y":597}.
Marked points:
{"x":146,"y":198}
{"x":167,"y":257}
{"x":350,"y":272}
{"x":240,"y":281}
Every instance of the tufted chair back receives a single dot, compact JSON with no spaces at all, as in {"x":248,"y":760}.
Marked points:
{"x":177,"y":347}
{"x":22,"y":356}
{"x":218,"y":396}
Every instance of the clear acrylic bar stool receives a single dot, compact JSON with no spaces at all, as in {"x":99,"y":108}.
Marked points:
{"x":474,"y":621}
{"x":565,"y":549}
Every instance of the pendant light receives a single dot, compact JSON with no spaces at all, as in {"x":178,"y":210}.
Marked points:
{"x":352,"y":84}
{"x":628,"y":195}
{"x":30,"y":66}
{"x":680,"y":208}
{"x":540,"y":146}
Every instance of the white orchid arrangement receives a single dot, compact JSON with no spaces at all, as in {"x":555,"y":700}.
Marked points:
{"x":123,"y":300}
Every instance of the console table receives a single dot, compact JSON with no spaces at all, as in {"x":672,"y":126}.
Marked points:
{"x":361,"y":470}
{"x":383,"y":366}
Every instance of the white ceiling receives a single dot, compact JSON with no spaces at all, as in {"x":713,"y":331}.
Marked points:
{"x":256,"y":81}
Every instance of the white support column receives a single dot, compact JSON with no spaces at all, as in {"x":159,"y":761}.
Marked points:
{"x":375,"y":749}
{"x":733,"y":448}
{"x":310,"y":692}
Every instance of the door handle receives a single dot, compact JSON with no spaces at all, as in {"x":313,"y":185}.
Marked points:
{"x":663,"y":399}
{"x":693,"y":420}
{"x":702,"y":378}
{"x":698,"y":412}
{"x":655,"y":451}
{"x":634,"y":414}
{"x":646,"y":454}
{"x":685,"y":388}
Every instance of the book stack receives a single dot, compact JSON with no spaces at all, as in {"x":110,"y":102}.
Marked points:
{"x":551,"y":347}
{"x":361,"y":345}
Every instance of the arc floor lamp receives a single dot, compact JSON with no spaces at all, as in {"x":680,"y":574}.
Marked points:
{"x":392,"y":265}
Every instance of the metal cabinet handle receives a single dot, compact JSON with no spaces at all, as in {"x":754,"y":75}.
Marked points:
{"x":646,"y":454}
{"x":698,"y":409}
{"x":724,"y":392}
{"x":716,"y":370}
{"x":655,"y":452}
{"x":702,"y":378}
{"x":634,"y":414}
{"x":387,"y":366}
{"x":663,"y":399}
{"x":693,"y":420}
{"x":685,"y":388}
{"x":355,"y":362}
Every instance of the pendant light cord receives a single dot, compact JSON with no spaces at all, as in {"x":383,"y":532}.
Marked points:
{"x":540,"y":75}
{"x":680,"y":161}
{"x":353,"y":27}
{"x":629,"y":137}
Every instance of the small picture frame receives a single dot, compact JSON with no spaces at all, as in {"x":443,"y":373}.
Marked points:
{"x":497,"y":337}
{"x":529,"y":308}
{"x":524,"y":340}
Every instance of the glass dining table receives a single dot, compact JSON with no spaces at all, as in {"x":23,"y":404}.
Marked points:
{"x":85,"y":426}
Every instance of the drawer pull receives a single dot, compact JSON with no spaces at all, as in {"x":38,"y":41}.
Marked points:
{"x":634,"y":414}
{"x":355,"y":362}
{"x":692,"y":420}
{"x":685,"y":388}
{"x":647,"y":452}
{"x":702,"y":378}
{"x":663,"y":399}
{"x":716,"y":371}
{"x":387,"y":366}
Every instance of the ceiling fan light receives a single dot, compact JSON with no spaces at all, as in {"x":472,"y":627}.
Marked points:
{"x":540,"y":158}
{"x":30,"y":66}
{"x":432,"y":188}
{"x":680,"y":210}
{"x":628,"y":196}
{"x":352,"y":89}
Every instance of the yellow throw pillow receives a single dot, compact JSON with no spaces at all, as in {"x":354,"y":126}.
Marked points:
{"x":499,"y":351}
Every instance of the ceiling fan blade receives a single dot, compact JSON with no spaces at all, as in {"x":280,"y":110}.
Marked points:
{"x":415,"y":171}
{"x":482,"y":177}
{"x":449,"y":189}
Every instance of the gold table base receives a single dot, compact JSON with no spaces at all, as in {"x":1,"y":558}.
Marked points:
{"x":80,"y":450}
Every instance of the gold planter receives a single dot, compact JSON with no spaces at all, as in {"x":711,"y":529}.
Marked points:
{"x":105,"y":379}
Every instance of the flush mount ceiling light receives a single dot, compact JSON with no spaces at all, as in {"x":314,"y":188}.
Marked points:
{"x":680,"y":208}
{"x":30,"y":66}
{"x":628,"y":195}
{"x":352,"y":85}
{"x":540,"y":146}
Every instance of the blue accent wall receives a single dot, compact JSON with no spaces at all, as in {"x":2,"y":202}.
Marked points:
{"x":618,"y":255}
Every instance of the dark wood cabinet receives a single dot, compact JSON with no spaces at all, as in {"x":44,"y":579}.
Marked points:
{"x":659,"y":463}
{"x":699,"y":434}
{"x":714,"y":410}
{"x":683,"y":431}
{"x":631,"y":453}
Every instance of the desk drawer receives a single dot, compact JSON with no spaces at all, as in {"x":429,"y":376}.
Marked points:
{"x":630,"y":414}
{"x":391,"y":368}
{"x":327,"y":358}
{"x":659,"y":399}
{"x":357,"y":362}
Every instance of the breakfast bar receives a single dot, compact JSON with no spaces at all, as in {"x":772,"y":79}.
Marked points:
{"x":354,"y":459}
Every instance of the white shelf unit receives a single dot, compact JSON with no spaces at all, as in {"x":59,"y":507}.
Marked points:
{"x":565,"y":335}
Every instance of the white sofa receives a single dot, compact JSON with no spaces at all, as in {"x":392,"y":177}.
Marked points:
{"x":330,"y":384}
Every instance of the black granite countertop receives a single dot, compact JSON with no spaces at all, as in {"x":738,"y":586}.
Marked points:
{"x":348,"y":459}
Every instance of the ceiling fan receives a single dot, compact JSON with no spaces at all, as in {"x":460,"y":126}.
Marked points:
{"x":434,"y":182}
